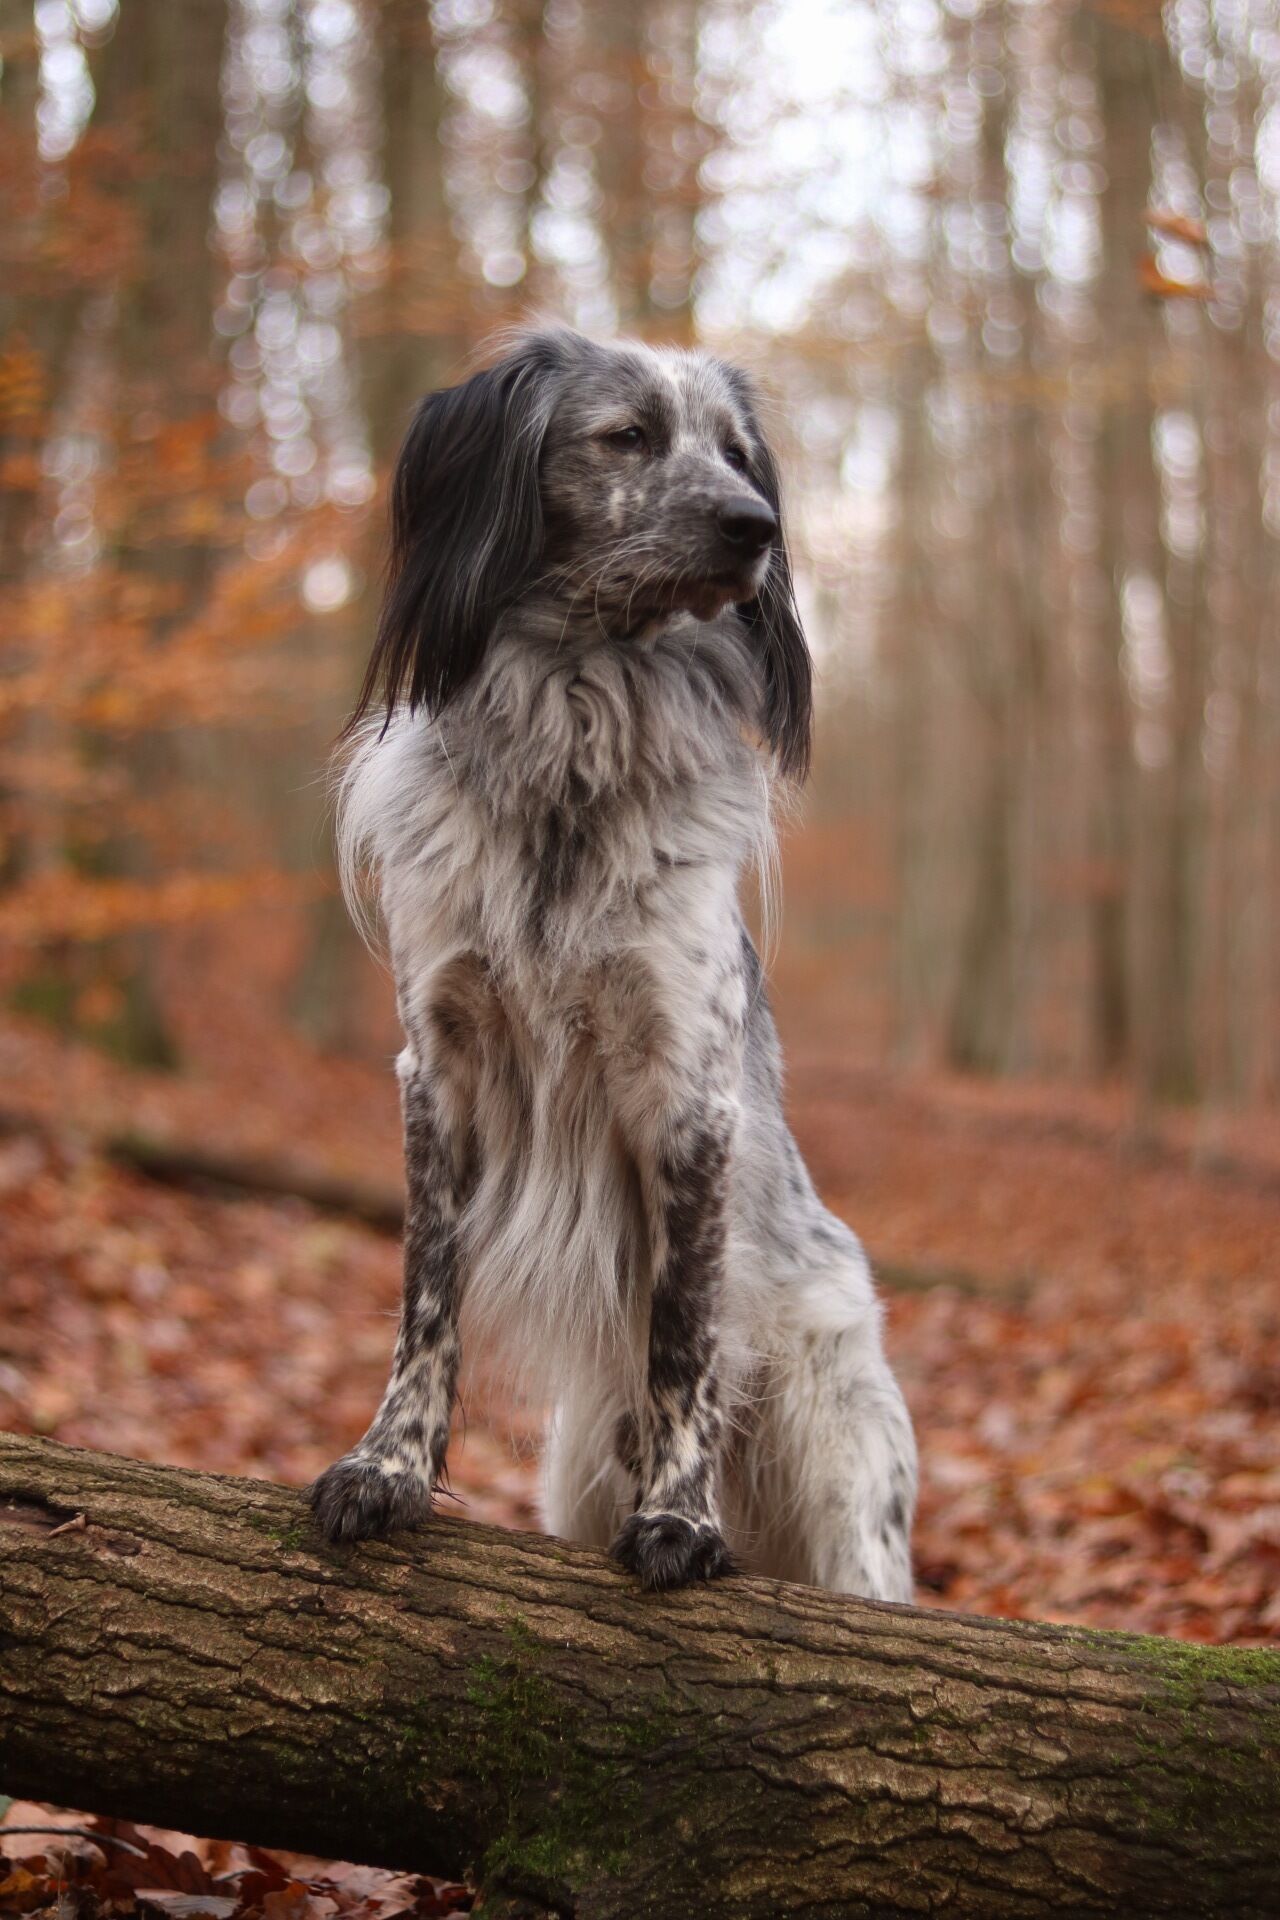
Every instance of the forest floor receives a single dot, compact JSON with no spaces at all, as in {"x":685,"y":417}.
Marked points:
{"x":1086,"y":1325}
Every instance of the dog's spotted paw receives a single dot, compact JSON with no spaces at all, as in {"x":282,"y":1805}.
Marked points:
{"x":663,"y":1550}
{"x":360,"y":1499}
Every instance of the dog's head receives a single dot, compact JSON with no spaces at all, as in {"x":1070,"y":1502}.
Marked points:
{"x":623,"y":482}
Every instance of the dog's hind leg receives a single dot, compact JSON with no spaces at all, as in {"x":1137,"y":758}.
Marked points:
{"x":826,"y":1482}
{"x":589,"y":1469}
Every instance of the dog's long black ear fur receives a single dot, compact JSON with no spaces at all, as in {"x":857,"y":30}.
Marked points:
{"x":773,"y":619}
{"x":466,"y":529}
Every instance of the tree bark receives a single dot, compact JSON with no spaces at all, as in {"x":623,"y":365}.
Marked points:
{"x":507,"y":1704}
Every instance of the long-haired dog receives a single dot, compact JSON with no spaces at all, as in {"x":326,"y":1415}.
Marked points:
{"x":593,"y":675}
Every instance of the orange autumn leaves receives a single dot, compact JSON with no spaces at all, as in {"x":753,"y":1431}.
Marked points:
{"x":1089,"y":1338}
{"x":61,"y":905}
{"x":1152,"y":278}
{"x":112,"y":1870}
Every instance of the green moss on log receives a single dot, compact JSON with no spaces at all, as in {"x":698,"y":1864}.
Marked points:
{"x":530,"y":1736}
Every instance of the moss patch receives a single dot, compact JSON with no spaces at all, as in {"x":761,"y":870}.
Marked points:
{"x":565,"y":1792}
{"x":1186,"y":1668}
{"x":1209,"y":1761}
{"x":294,"y":1534}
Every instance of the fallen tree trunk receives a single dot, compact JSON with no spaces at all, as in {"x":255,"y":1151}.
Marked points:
{"x":195,"y":1656}
{"x":184,"y":1163}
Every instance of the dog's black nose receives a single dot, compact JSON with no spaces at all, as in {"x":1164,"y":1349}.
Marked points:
{"x":747,"y":524}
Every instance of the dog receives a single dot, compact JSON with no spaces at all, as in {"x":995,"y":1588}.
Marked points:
{"x":589,"y":681}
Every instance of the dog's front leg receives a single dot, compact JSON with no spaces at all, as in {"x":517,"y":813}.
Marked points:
{"x":674,"y":1535}
{"x":388,"y":1479}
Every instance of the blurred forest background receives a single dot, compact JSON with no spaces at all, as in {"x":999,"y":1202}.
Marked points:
{"x":1011,"y":272}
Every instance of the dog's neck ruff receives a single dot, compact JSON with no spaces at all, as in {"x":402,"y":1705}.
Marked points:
{"x":542,"y":817}
{"x":564,"y":716}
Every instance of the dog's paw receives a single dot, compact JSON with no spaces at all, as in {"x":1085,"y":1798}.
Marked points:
{"x":664,"y":1550}
{"x":360,"y":1499}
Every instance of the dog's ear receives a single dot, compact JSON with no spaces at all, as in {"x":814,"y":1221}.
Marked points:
{"x":466,"y":528}
{"x":773,"y":619}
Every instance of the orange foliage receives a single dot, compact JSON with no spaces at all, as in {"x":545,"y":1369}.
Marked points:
{"x":1161,"y":287}
{"x":22,"y":383}
{"x":65,"y":905}
{"x":1178,"y":226}
{"x":139,"y":602}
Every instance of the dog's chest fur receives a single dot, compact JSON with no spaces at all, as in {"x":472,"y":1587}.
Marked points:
{"x":558,"y":867}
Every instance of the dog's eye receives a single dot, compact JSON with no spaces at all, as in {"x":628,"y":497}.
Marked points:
{"x":736,"y":458}
{"x":628,"y":439}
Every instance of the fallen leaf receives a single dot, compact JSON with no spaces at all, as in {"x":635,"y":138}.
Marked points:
{"x":298,"y":1901}
{"x":1179,"y":226}
{"x":1161,"y":287}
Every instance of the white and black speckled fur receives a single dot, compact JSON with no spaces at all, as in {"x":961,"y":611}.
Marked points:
{"x":604,"y":1198}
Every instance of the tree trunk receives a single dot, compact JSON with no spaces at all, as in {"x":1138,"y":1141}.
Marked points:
{"x":505,"y":1703}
